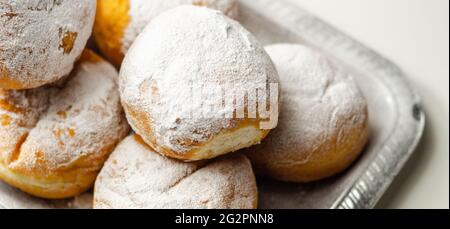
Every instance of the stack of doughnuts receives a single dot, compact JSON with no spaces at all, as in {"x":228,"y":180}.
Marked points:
{"x":55,"y":139}
{"x":169,"y":59}
{"x":207,"y":104}
{"x":60,"y":111}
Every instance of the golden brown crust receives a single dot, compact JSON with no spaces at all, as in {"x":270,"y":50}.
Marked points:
{"x":57,"y":186}
{"x":110,"y":23}
{"x":49,"y":183}
{"x":157,"y":80}
{"x":323,"y":126}
{"x":114,"y":17}
{"x":40,"y":41}
{"x":89,"y":56}
{"x":142,"y":119}
{"x":135,"y":176}
{"x":8,"y":82}
{"x":327,"y":160}
{"x":54,"y":140}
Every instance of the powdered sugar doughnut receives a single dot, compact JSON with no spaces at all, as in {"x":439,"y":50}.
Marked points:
{"x":41,"y":40}
{"x":136,"y":177}
{"x":323,"y":122}
{"x":119,"y":22}
{"x":177,"y":75}
{"x":53,"y":141}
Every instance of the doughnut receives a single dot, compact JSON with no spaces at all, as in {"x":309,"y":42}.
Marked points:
{"x":55,"y":139}
{"x":119,"y":22}
{"x":136,"y":177}
{"x":323,"y":124}
{"x":41,"y":40}
{"x":183,"y":78}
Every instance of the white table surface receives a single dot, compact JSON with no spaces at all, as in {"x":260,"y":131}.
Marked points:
{"x":415,"y":35}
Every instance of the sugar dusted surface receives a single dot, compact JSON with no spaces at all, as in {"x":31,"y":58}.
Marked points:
{"x":53,"y":128}
{"x":32,"y":33}
{"x":143,"y":11}
{"x":137,"y":177}
{"x":184,"y":46}
{"x":319,"y":101}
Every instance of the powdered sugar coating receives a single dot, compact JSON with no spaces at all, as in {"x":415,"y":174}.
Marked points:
{"x":19,"y":113}
{"x":51,"y":130}
{"x":40,"y":40}
{"x":185,"y":46}
{"x":137,"y":177}
{"x":143,"y":11}
{"x":321,"y":109}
